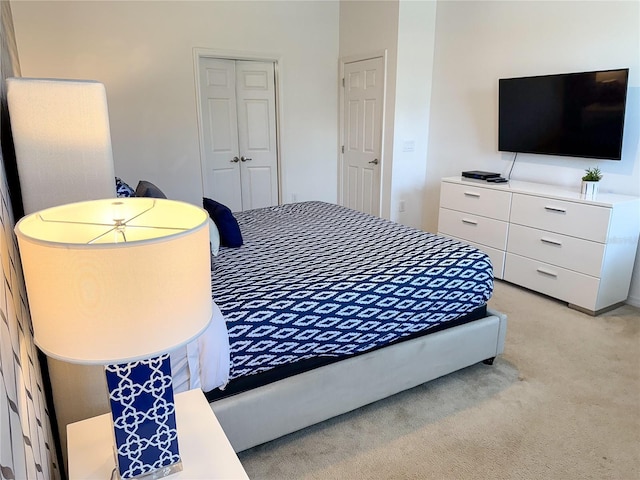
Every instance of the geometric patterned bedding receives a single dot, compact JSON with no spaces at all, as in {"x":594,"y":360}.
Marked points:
{"x":317,"y":279}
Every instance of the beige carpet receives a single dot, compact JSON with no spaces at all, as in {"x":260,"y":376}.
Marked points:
{"x":563,"y":402}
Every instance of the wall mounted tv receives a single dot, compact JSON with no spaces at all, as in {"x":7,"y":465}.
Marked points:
{"x":571,"y":114}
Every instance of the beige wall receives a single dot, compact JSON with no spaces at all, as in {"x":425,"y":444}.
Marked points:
{"x":143,"y":52}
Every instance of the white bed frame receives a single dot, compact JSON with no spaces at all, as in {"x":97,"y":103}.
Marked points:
{"x":277,"y":409}
{"x":269,"y":412}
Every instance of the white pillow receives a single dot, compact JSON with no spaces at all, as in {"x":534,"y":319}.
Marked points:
{"x":214,"y":237}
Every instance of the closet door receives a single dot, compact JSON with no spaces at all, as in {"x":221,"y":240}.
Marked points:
{"x":238,"y":129}
{"x":219,"y":130}
{"x":257,"y":133}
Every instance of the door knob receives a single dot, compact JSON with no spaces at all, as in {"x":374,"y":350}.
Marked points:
{"x":245,"y":159}
{"x":375,"y":161}
{"x":235,"y":160}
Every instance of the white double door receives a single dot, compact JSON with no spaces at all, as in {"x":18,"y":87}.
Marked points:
{"x":238,"y":129}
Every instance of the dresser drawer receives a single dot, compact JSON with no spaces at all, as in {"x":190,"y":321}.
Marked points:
{"x":570,"y":218}
{"x":477,"y":200}
{"x":477,"y":229}
{"x":496,"y":256}
{"x":567,"y":285}
{"x":582,"y":256}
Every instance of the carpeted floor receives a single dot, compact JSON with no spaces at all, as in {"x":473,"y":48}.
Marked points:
{"x":563,"y":402}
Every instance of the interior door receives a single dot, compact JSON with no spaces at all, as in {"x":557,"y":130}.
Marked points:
{"x":238,"y":128}
{"x":363,"y":107}
{"x":221,"y":155}
{"x":257,"y":133}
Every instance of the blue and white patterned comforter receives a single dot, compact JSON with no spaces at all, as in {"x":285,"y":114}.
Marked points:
{"x":316,"y":279}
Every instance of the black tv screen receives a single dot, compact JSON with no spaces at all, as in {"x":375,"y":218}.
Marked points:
{"x":572,"y":114}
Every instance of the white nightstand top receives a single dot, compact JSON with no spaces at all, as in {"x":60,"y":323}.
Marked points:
{"x":206,"y":453}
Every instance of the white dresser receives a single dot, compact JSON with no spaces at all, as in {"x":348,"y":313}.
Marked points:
{"x":547,"y":238}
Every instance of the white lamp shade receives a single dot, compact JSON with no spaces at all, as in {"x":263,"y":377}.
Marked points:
{"x":62,"y":140}
{"x":97,"y":299}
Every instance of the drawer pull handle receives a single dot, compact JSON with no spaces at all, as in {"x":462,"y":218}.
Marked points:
{"x":472,"y":194}
{"x":547,"y":272}
{"x":555,"y":209}
{"x":469,"y":222}
{"x":551,"y":241}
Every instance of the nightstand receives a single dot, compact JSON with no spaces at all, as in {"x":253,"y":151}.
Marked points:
{"x":206,"y":453}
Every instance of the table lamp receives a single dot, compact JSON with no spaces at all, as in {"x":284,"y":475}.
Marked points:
{"x":121,"y":282}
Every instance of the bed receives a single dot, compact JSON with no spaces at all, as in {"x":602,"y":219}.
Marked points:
{"x":274,"y":399}
{"x":324,"y":254}
{"x":328,"y":309}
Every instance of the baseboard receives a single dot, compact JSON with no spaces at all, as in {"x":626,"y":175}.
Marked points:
{"x":633,"y":300}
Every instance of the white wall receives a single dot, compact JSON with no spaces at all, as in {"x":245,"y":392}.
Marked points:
{"x":479,"y":42}
{"x":369,"y":27}
{"x":143,"y":52}
{"x":416,"y":38}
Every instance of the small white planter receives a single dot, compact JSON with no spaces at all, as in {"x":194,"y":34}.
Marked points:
{"x":589,"y":189}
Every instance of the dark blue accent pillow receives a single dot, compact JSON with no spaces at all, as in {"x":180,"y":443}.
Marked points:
{"x":122,"y":189}
{"x":230,"y":235}
{"x":148,"y":189}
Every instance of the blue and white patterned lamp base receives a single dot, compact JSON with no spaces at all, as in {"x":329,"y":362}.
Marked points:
{"x":144,"y":418}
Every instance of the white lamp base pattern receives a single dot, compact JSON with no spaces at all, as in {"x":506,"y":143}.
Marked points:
{"x":144,"y":420}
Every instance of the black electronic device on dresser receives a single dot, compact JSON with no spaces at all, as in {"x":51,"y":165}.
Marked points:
{"x":480,"y":174}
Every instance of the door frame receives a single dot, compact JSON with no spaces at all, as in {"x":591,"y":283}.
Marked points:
{"x":384,"y":168}
{"x":199,"y":53}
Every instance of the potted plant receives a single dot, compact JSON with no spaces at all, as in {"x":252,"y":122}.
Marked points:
{"x":590,"y":181}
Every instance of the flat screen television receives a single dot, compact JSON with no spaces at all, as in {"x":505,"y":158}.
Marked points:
{"x":571,"y":114}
